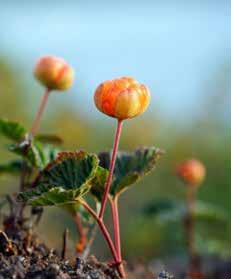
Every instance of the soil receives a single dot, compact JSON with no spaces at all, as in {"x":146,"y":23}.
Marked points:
{"x":23,"y":255}
{"x":211,"y":267}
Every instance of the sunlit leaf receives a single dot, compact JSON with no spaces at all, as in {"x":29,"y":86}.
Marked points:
{"x":12,"y":130}
{"x":130,"y":167}
{"x":64,"y":180}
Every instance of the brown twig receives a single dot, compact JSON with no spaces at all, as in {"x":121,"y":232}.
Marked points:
{"x":65,"y":241}
{"x":81,"y":244}
{"x":87,"y":249}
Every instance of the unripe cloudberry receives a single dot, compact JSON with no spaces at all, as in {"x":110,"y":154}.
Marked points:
{"x":54,"y":73}
{"x":192,"y":172}
{"x":122,"y":98}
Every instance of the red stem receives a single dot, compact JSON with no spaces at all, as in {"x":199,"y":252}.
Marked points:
{"x":37,"y":120}
{"x":118,"y":262}
{"x":111,"y":168}
{"x":103,"y":229}
{"x":116,"y":225}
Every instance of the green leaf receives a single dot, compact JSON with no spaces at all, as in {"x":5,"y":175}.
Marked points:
{"x":55,"y":196}
{"x":160,"y":206}
{"x":218,"y":247}
{"x":70,"y":170}
{"x":74,"y":207}
{"x":165,"y":211}
{"x":64,"y":180}
{"x":46,"y":154}
{"x":12,"y":168}
{"x":27,"y":151}
{"x":49,"y":139}
{"x":12,"y":130}
{"x":98,"y":183}
{"x":130,"y":167}
{"x":37,"y":154}
{"x":206,"y":212}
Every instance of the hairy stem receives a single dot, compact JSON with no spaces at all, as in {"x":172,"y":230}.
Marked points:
{"x":111,"y":168}
{"x":37,"y":120}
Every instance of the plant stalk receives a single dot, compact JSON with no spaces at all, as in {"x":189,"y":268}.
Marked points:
{"x":102,"y":228}
{"x":111,"y":168}
{"x":116,"y":225}
{"x":107,"y":237}
{"x":190,"y":222}
{"x":33,"y":132}
{"x":116,"y":228}
{"x":194,"y":262}
{"x":37,"y":120}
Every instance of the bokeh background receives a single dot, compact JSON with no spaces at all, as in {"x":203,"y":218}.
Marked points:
{"x":180,"y":49}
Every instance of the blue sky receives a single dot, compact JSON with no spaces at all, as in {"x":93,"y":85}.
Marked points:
{"x":175,"y":47}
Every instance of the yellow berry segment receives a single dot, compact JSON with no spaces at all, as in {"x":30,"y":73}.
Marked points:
{"x":127,"y":106}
